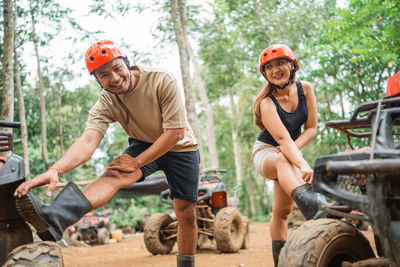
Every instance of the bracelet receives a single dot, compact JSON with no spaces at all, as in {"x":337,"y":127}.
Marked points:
{"x":59,"y":172}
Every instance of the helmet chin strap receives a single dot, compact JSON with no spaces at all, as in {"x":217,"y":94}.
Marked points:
{"x":286,"y":84}
{"x":283,"y":86}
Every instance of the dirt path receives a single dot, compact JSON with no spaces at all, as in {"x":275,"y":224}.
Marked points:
{"x":132,"y":252}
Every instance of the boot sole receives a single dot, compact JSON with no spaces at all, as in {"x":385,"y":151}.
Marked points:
{"x":27,"y":210}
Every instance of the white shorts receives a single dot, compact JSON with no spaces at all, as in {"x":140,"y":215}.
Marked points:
{"x":261,"y":151}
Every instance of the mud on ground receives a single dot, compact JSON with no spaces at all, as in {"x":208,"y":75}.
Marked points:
{"x":132,"y":252}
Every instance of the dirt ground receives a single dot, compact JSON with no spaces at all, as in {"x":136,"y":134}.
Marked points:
{"x":132,"y":252}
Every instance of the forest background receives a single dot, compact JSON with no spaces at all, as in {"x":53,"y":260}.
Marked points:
{"x":347,"y":50}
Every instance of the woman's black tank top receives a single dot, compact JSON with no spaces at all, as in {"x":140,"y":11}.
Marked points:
{"x":292,"y":121}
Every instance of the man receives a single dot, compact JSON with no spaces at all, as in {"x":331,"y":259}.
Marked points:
{"x":148,"y":105}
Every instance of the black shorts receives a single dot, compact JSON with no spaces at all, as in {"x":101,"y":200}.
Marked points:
{"x":180,"y":168}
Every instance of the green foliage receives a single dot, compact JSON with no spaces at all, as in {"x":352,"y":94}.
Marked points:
{"x":347,"y":54}
{"x":127,"y":212}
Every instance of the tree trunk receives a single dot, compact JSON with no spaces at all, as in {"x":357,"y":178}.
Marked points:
{"x":41,"y":89}
{"x":7,"y":112}
{"x":250,"y":189}
{"x":58,"y":94}
{"x":190,"y":99}
{"x":235,"y":140}
{"x":212,"y":147}
{"x":21,"y":106}
{"x":60,"y":125}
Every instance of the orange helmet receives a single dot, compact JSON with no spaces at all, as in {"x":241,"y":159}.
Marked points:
{"x":100,"y":53}
{"x":277,"y":51}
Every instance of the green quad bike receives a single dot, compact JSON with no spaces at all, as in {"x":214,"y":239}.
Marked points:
{"x":217,"y":220}
{"x":16,"y":240}
{"x":367,"y":181}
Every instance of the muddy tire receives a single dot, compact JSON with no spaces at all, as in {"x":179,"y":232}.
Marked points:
{"x":36,"y":255}
{"x":325,"y":242}
{"x":153,"y":234}
{"x":103,"y":236}
{"x":246,"y":238}
{"x":229,"y":230}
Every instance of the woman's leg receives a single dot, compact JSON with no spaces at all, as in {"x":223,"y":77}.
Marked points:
{"x":283,"y":205}
{"x":289,"y":178}
{"x":290,"y":181}
{"x":277,"y":166}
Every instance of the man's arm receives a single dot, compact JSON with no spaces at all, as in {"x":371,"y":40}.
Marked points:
{"x":79,"y":152}
{"x":166,"y":141}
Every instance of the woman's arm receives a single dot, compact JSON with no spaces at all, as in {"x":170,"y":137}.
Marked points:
{"x":310,"y":127}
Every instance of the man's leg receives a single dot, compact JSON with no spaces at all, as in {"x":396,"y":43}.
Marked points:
{"x":182,"y":171}
{"x":187,"y":231}
{"x":187,"y":226}
{"x":51,"y":220}
{"x":100,"y":191}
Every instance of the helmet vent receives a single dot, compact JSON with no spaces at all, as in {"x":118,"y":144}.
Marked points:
{"x":265,"y":54}
{"x":92,"y":59}
{"x":103,"y":52}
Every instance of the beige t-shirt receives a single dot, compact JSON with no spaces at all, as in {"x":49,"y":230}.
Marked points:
{"x":153,"y":105}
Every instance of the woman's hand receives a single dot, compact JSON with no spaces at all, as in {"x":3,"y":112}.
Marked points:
{"x":277,"y":149}
{"x":124,"y":163}
{"x":50,"y":177}
{"x":307,"y":173}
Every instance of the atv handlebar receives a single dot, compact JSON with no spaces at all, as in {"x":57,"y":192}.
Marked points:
{"x":166,"y":193}
{"x":364,"y":166}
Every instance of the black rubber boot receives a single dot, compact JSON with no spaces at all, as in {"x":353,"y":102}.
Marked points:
{"x":277,"y":245}
{"x":184,"y":260}
{"x":50,"y":220}
{"x":308,"y":202}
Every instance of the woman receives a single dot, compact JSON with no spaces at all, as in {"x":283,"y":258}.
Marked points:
{"x":282,"y":107}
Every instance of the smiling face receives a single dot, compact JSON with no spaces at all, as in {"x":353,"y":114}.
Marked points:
{"x":114,"y":76}
{"x":278,"y":71}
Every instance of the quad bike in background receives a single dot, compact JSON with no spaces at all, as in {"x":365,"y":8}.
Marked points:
{"x":216,"y":220}
{"x":16,"y":241}
{"x":93,"y":228}
{"x":366,"y":187}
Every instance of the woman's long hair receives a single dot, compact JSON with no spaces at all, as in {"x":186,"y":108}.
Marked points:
{"x":265,"y":92}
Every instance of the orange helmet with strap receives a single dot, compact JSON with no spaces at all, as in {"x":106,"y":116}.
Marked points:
{"x":277,"y":51}
{"x":100,"y":53}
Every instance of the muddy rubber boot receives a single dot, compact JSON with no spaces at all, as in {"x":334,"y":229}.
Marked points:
{"x":184,"y":260}
{"x":308,"y":202}
{"x":277,"y":245}
{"x":50,"y":220}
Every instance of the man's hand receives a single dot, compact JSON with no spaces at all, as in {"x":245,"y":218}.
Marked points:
{"x":124,"y":163}
{"x":50,"y":177}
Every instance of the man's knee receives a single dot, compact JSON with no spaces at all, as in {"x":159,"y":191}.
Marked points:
{"x":121,"y":179}
{"x":185,"y":209}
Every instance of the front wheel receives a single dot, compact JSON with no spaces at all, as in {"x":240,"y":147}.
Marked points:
{"x":160,"y":234}
{"x":325,"y":243}
{"x":44,"y":253}
{"x":229,"y":230}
